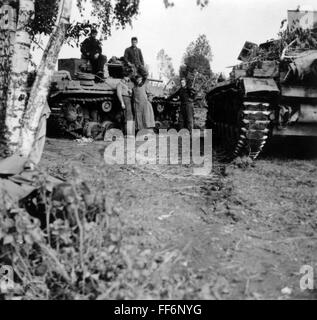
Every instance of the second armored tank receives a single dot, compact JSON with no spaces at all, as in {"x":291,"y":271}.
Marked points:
{"x":272,"y":92}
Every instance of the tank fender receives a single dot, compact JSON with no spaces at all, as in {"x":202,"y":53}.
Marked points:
{"x":252,"y":85}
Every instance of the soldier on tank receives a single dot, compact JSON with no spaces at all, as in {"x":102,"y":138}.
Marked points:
{"x":91,"y":49}
{"x":133,"y":55}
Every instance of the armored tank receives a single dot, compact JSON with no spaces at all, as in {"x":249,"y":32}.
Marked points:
{"x":84,"y":105}
{"x":273,"y":91}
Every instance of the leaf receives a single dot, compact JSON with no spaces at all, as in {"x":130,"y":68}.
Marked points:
{"x":8,"y":239}
{"x":28,"y":239}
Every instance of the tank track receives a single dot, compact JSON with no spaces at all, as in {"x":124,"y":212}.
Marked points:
{"x":255,"y":130}
{"x":251,"y":132}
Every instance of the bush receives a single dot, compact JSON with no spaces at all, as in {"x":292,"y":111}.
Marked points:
{"x":80,"y":252}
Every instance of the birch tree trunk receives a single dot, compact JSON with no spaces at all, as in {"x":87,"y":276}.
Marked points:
{"x":40,"y":89}
{"x":17,"y":94}
{"x":8,"y":17}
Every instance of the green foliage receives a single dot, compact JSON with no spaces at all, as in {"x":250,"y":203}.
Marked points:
{"x":199,"y":48}
{"x":77,"y":30}
{"x":44,"y":17}
{"x":197,"y":58}
{"x":84,"y":254}
{"x":124,"y":10}
{"x":108,"y":13}
{"x":118,"y":14}
{"x":292,"y":39}
{"x":196,"y":66}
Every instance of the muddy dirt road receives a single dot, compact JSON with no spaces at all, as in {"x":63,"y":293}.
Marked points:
{"x":245,"y":232}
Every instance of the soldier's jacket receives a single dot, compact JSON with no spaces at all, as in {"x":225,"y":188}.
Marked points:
{"x":186,"y":95}
{"x":90,"y":47}
{"x":134,"y":56}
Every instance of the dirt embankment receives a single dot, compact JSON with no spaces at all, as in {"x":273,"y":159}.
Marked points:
{"x":244,"y":233}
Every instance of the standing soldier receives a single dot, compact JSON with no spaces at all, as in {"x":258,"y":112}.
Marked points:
{"x":124,"y":93}
{"x":186,"y":96}
{"x":91,"y":49}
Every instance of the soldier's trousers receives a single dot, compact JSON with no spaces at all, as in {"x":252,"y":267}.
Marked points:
{"x":129,"y":121}
{"x":186,"y":116}
{"x":98,"y":65}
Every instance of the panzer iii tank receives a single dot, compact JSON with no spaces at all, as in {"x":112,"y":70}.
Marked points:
{"x":272,"y":92}
{"x":84,"y":105}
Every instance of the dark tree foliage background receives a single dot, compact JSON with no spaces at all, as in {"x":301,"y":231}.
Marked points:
{"x":109,"y":14}
{"x":196,"y":65}
{"x":44,"y":17}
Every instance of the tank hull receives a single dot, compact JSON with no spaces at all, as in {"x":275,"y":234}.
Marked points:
{"x":83,"y":105}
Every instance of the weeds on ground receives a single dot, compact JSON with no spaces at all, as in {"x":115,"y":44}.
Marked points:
{"x":74,"y":249}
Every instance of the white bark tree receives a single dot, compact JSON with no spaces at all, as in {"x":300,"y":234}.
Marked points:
{"x":16,"y":100}
{"x":40,"y":89}
{"x":19,"y":116}
{"x":8,"y":17}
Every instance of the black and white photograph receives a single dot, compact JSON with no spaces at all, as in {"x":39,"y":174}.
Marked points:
{"x":158,"y":154}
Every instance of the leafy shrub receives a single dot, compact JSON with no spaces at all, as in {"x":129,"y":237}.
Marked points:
{"x":81,"y":252}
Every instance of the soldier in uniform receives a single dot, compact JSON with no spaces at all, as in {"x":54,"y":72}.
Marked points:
{"x":91,"y":49}
{"x":186,"y":96}
{"x":124,"y":93}
{"x":133,"y":55}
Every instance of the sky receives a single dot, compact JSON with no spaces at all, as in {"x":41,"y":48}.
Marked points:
{"x":226,"y":23}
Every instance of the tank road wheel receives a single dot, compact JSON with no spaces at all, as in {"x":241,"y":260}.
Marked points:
{"x":108,"y":125}
{"x":158,"y":126}
{"x":160,"y":108}
{"x":106,"y":106}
